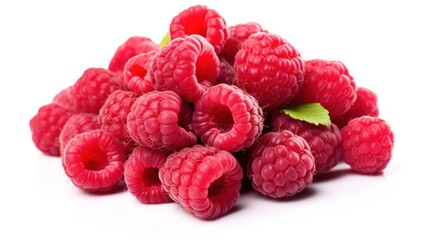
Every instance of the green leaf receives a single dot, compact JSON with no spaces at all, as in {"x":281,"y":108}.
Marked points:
{"x":165,"y":40}
{"x":313,"y":113}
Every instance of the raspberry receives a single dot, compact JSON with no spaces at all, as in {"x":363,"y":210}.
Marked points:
{"x":93,"y":87}
{"x":136,"y":75}
{"x":202,"y":21}
{"x":270,"y":69}
{"x":141,"y":175}
{"x":130,"y":48}
{"x":324,"y":142}
{"x":65,"y":98}
{"x":365,"y":104}
{"x":94,"y":161}
{"x":204,"y":180}
{"x":78,"y":123}
{"x":226,"y":73}
{"x":153,"y":122}
{"x":367,"y":144}
{"x":239,"y":34}
{"x":328,"y":83}
{"x":46,"y":127}
{"x":185,"y":117}
{"x":227,"y":118}
{"x":187,"y":66}
{"x":113,"y":114}
{"x":281,"y":164}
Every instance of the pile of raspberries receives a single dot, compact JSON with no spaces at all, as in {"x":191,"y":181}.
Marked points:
{"x":198,"y":118}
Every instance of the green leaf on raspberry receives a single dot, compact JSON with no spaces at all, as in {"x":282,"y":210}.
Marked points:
{"x":165,"y":40}
{"x":313,"y":113}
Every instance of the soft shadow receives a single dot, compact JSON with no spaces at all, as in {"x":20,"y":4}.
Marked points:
{"x":118,"y":188}
{"x":304,"y":194}
{"x":335,"y":174}
{"x":332,"y":175}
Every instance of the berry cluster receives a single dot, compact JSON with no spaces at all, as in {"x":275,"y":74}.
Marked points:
{"x":214,"y":108}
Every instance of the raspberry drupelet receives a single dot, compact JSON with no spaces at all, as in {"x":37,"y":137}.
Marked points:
{"x":270,"y":69}
{"x":154,"y":122}
{"x":136,"y":73}
{"x":206,"y":181}
{"x":239,"y":33}
{"x":324,"y":142}
{"x":227,"y":118}
{"x":328,"y":83}
{"x":141,"y":175}
{"x":280,"y":164}
{"x":94,"y":161}
{"x":46,"y":127}
{"x":365,"y":105}
{"x":367,"y":144}
{"x":78,"y":123}
{"x":130,"y":48}
{"x":203,"y":21}
{"x":113,"y":114}
{"x":187,"y":66}
{"x":93,"y":87}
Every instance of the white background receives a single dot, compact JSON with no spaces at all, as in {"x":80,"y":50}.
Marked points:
{"x":46,"y":45}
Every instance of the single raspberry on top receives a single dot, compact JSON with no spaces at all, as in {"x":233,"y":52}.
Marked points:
{"x":280,"y":164}
{"x":78,"y":123}
{"x":201,"y":20}
{"x":113,"y":114}
{"x":187,"y":66}
{"x":328,"y":83}
{"x":93,"y":87}
{"x":227,"y":118}
{"x":141,"y":175}
{"x":46,"y":127}
{"x":365,"y":105}
{"x":270,"y":69}
{"x":206,"y":181}
{"x":94,"y":161}
{"x":239,"y":34}
{"x":130,"y":48}
{"x":136,"y":75}
{"x":367,"y":144}
{"x":154,"y":122}
{"x":324,"y":142}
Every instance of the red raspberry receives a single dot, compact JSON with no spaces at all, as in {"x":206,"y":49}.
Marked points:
{"x":65,"y":98}
{"x":328,"y":83}
{"x":46,"y":127}
{"x":203,"y":21}
{"x":227,"y":118}
{"x":187,"y":66}
{"x":270,"y":69}
{"x":113,"y":114}
{"x":141,"y":175}
{"x":281,"y":164}
{"x":93,"y":87}
{"x":365,"y":105}
{"x":94,"y":161}
{"x":153,"y":122}
{"x":226,"y":73}
{"x":130,"y":48}
{"x":78,"y":123}
{"x":136,"y":75}
{"x":367,"y":144}
{"x":185,"y":117}
{"x":239,"y":34}
{"x":324,"y":142}
{"x":204,"y":180}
